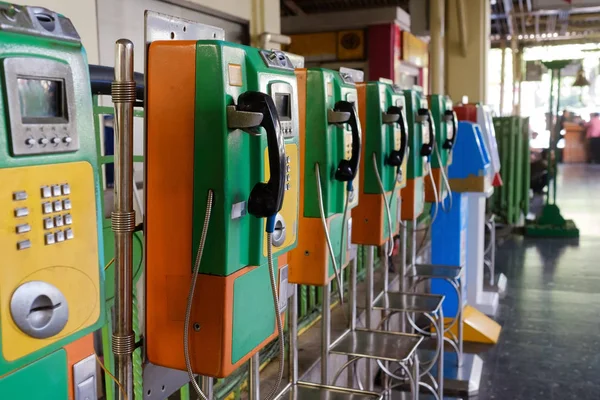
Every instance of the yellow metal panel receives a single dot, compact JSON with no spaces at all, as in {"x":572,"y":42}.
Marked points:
{"x":414,"y":50}
{"x":351,"y":45}
{"x":315,"y":46}
{"x":72,"y":266}
{"x":477,"y":327}
{"x":289,"y":210}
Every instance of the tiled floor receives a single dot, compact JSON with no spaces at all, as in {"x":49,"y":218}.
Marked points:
{"x":549,"y":348}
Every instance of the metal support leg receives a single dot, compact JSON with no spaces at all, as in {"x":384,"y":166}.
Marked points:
{"x":293,"y":335}
{"x":460,"y":322}
{"x":206,"y":383}
{"x":123,"y":217}
{"x":492,"y":251}
{"x":368,"y":308}
{"x":416,"y":374}
{"x":325,"y":334}
{"x":440,"y":361}
{"x":403,"y":270}
{"x":352,"y":313}
{"x":254,"y":377}
{"x":386,"y":379}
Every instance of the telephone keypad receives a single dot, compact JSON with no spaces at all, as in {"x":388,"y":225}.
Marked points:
{"x":287,"y":176}
{"x":59,"y":203}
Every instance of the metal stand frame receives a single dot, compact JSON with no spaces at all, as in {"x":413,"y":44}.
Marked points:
{"x":497,"y":284}
{"x":372,"y":345}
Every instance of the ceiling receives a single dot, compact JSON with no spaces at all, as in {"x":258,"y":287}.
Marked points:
{"x":300,"y":7}
{"x":530,"y":21}
{"x":545,"y":20}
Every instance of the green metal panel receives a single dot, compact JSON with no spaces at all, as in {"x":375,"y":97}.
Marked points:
{"x":526,"y":167}
{"x":42,"y":379}
{"x":73,"y":55}
{"x":379,"y":138}
{"x":251,"y":310}
{"x":325,"y":143}
{"x":235,"y":160}
{"x":416,"y":130}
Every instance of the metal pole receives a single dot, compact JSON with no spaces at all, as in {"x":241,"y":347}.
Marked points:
{"x":413,"y":244}
{"x":352,"y":322}
{"x":206,"y":383}
{"x":502,"y":74}
{"x":552,"y":126}
{"x":436,"y":43}
{"x":123,"y":216}
{"x":254,"y":377}
{"x":368,"y":307}
{"x":293,"y":333}
{"x":403,"y":279}
{"x":440,"y":366}
{"x":556,"y":138}
{"x":325,"y":334}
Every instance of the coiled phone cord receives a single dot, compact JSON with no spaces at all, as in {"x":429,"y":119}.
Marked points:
{"x":444,"y":179}
{"x":327,"y":237}
{"x":387,"y":205}
{"x":188,"y":308}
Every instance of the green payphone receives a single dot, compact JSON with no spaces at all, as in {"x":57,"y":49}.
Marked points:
{"x":446,"y":126}
{"x":330,"y":140}
{"x":51,"y":276}
{"x":421,"y":136}
{"x":222,"y":190}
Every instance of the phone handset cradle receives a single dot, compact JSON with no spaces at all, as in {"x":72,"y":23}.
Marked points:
{"x":450,"y":116}
{"x":344,"y":112}
{"x":391,"y":116}
{"x":254,"y":110}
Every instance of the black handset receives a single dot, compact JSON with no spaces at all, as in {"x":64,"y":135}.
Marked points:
{"x":452,"y":116}
{"x":347,"y":169}
{"x":266,"y":199}
{"x":396,"y":157}
{"x":427,"y":148}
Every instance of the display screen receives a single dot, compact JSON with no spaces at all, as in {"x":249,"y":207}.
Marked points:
{"x":41,"y":100}
{"x":282,"y":103}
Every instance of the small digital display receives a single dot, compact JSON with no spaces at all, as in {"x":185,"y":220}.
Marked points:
{"x":282,"y":103}
{"x":41,"y":100}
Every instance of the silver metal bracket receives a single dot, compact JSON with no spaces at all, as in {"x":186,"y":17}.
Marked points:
{"x":337,"y":117}
{"x":242,"y":119}
{"x":389,"y":119}
{"x":161,"y":382}
{"x":167,"y":27}
{"x":350,"y":75}
{"x":84,"y":379}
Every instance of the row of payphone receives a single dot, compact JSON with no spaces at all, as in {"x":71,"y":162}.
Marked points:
{"x":258,"y":172}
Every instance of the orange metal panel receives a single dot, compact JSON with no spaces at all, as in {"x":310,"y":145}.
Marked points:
{"x":437,"y":178}
{"x":77,"y":351}
{"x":368,"y":215}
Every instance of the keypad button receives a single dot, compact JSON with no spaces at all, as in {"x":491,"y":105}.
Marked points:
{"x":58,"y":221}
{"x":23,"y":228}
{"x":288,"y":168}
{"x":66,"y":189}
{"x":23,"y":244}
{"x":56,"y":190}
{"x":57,"y":205}
{"x":69,"y":234}
{"x":30,"y":142}
{"x":67,"y":140}
{"x":48,"y":223}
{"x":47,"y":208}
{"x":287,"y":177}
{"x":68,"y":219}
{"x":49,"y":238}
{"x":60,"y":236}
{"x":67,"y":204}
{"x":46,"y":192}
{"x":21,"y":212}
{"x":43,"y":141}
{"x":20,"y":195}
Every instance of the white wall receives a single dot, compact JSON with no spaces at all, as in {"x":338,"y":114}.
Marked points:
{"x":237,"y":8}
{"x":83,"y":15}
